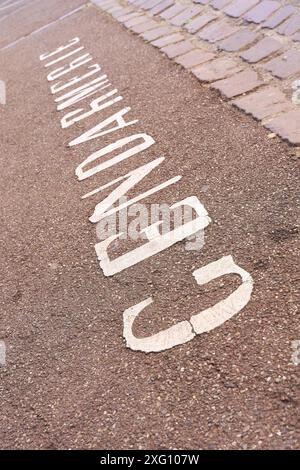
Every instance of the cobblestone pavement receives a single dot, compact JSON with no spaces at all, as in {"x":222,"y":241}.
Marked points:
{"x":249,"y":50}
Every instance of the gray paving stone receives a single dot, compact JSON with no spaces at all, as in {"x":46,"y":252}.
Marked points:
{"x":194,"y":58}
{"x":238,"y":41}
{"x":284,"y":66}
{"x":264,"y":103}
{"x":158,"y":32}
{"x":166,"y":40}
{"x":217,"y":69}
{"x":262,"y":11}
{"x":238,"y":7}
{"x":219,"y":4}
{"x":278,"y":17}
{"x":239,"y":83}
{"x":180,"y":48}
{"x":198,"y":23}
{"x":290,"y":26}
{"x":264,"y":48}
{"x":129,"y":16}
{"x":123,"y":11}
{"x":172,"y":11}
{"x":150,"y":4}
{"x":217,"y":31}
{"x":162,"y":6}
{"x":142,"y":27}
{"x":185,"y":15}
{"x":287,"y":126}
{"x":134,"y":21}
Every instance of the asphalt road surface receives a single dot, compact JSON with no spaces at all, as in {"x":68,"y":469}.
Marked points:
{"x":69,"y":380}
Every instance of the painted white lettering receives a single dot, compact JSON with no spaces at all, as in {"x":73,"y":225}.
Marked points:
{"x":57,"y":87}
{"x":59,"y":49}
{"x":157,"y":242}
{"x":131,"y":180}
{"x":83,"y":59}
{"x":63,"y":57}
{"x":83,"y":174}
{"x":82,"y":92}
{"x":94,"y":132}
{"x":96,"y":106}
{"x":204,"y":321}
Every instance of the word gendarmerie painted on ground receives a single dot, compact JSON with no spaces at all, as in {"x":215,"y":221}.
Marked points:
{"x":71,"y":88}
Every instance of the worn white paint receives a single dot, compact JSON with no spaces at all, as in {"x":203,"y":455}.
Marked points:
{"x":94,"y":132}
{"x":70,"y":43}
{"x":131,"y":179}
{"x":2,"y":92}
{"x":82,"y":92}
{"x":296,"y":352}
{"x":177,"y":334}
{"x":215,"y":316}
{"x":63,"y":57}
{"x":57,"y":87}
{"x":157,"y":242}
{"x":8,"y":4}
{"x":2,"y":353}
{"x":82,"y":174}
{"x":96,"y":105}
{"x":203,"y":322}
{"x":78,"y":62}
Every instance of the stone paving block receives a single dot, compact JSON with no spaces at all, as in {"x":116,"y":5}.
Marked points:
{"x":123,"y":12}
{"x":238,"y":41}
{"x":203,"y":2}
{"x":193,"y":58}
{"x":287,"y":126}
{"x":128,"y":16}
{"x":264,"y":48}
{"x":277,"y":18}
{"x":141,"y":28}
{"x":219,"y":4}
{"x":135,"y":21}
{"x":105,"y":6}
{"x":114,"y":9}
{"x":284,"y":66}
{"x":217,"y":31}
{"x":264,"y":103}
{"x":185,"y":15}
{"x":150,"y":4}
{"x":162,"y":6}
{"x":166,"y":40}
{"x":179,"y":48}
{"x":172,"y":11}
{"x":238,"y":83}
{"x":158,"y":33}
{"x":199,"y":22}
{"x":290,"y":26}
{"x":238,"y":7}
{"x":262,"y":11}
{"x":217,"y":69}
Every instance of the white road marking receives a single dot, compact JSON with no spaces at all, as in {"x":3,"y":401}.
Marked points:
{"x":2,"y":92}
{"x":5,"y":6}
{"x":202,"y":322}
{"x":8,"y":46}
{"x":2,"y":353}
